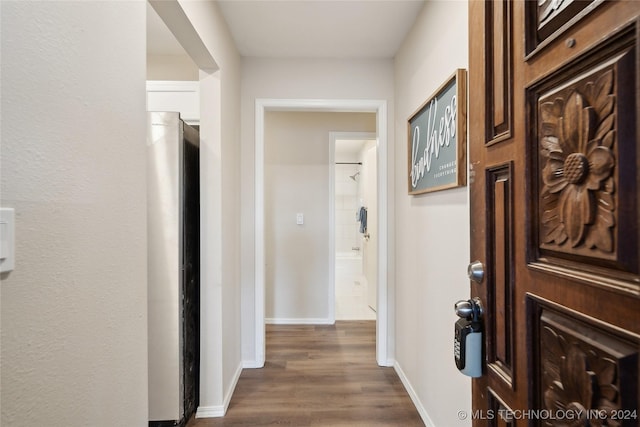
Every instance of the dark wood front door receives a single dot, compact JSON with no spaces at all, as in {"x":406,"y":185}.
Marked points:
{"x":553,"y":127}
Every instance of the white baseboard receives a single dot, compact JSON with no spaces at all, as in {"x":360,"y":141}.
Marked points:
{"x":210,"y":411}
{"x":303,"y":321}
{"x":387,"y":363}
{"x":219,"y":410}
{"x":251,"y":364}
{"x":232,"y":387}
{"x":414,"y":396}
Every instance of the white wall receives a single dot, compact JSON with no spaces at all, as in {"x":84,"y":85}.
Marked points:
{"x":432,"y":230}
{"x":294,"y":79}
{"x":348,"y":200}
{"x":74,"y":310}
{"x":171,"y":67}
{"x":297,"y":181}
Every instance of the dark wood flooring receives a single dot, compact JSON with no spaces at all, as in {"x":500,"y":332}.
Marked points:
{"x":319,"y":376}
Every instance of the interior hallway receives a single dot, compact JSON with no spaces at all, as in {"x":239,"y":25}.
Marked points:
{"x":319,"y":376}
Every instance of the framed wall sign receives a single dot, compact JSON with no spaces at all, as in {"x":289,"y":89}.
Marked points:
{"x":438,"y":138}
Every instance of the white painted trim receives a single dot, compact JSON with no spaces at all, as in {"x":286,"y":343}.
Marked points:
{"x":232,"y":387}
{"x":331,"y":297}
{"x":303,"y":321}
{"x":210,"y":411}
{"x":322,"y":105}
{"x":369,"y":136}
{"x":414,"y":396}
{"x":188,"y":104}
{"x":220,"y":411}
{"x":333,"y":136}
{"x":331,"y":105}
{"x":259,"y":297}
{"x":173,"y":86}
{"x":251,"y":364}
{"x":383,"y":316}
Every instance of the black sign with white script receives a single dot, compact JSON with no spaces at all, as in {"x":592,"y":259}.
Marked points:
{"x":436,"y":133}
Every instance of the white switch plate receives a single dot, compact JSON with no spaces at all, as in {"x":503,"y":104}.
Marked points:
{"x":299,"y":218}
{"x":7,"y":239}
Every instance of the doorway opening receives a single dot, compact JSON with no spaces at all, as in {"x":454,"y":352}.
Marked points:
{"x":354,"y":223}
{"x":376,"y":106}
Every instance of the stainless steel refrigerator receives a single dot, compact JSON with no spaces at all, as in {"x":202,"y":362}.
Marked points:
{"x":173,"y":233}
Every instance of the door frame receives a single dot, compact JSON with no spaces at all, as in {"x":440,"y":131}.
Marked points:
{"x":333,"y":136}
{"x":322,"y":105}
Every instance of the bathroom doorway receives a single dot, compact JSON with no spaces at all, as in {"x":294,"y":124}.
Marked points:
{"x":354,"y":225}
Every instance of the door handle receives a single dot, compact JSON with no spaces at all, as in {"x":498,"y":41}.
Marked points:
{"x":469,"y":308}
{"x":475,"y":271}
{"x":464,"y":309}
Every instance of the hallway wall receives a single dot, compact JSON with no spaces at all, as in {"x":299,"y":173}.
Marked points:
{"x":295,"y":79}
{"x":432,"y":230}
{"x":171,"y":67}
{"x":74,"y":310}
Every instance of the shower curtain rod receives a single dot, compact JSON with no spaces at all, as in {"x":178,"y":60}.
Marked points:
{"x":349,"y":163}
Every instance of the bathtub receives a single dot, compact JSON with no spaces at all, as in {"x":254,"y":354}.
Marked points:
{"x":349,"y":263}
{"x":351,"y":289}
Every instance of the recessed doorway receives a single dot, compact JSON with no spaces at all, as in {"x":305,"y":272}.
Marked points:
{"x":380,"y":108}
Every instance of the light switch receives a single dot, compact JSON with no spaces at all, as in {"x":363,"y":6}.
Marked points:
{"x":7,"y":239}
{"x":299,"y":218}
{"x":4,"y":242}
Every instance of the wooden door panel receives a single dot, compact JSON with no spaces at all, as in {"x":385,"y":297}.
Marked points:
{"x":499,"y":71}
{"x":585,"y":141}
{"x":500,"y":411}
{"x":582,"y":366}
{"x":554,"y":183}
{"x":547,"y":19}
{"x":499,"y":283}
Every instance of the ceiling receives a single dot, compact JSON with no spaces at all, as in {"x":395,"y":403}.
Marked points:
{"x":355,"y":29}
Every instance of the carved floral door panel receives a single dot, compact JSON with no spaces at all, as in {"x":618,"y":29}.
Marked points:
{"x":553,"y":134}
